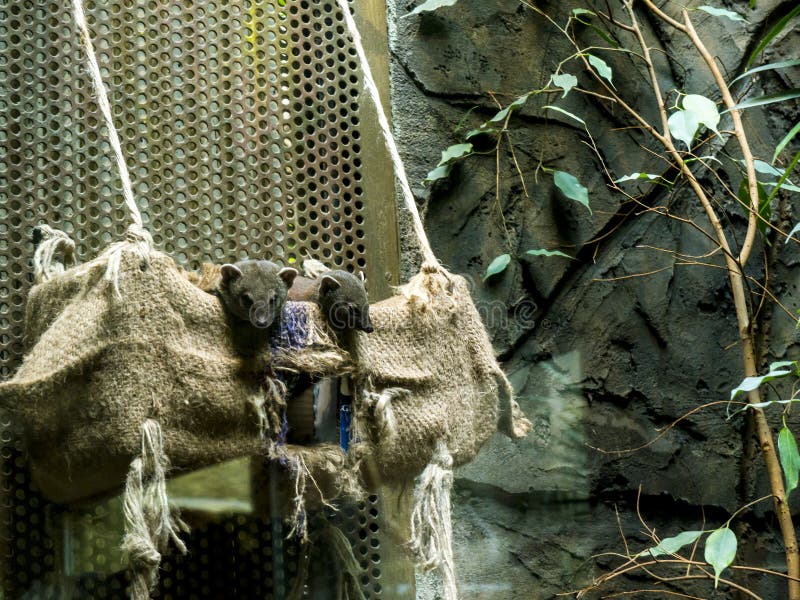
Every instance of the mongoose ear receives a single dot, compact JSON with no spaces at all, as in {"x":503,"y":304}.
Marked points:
{"x":328,"y":284}
{"x":230,"y":272}
{"x":287,"y":274}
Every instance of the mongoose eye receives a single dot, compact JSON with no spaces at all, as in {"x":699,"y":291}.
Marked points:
{"x":247,"y":300}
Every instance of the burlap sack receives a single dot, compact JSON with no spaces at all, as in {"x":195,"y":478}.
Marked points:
{"x":428,"y":376}
{"x":97,"y":366}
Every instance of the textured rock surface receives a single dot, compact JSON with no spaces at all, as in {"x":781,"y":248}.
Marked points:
{"x":600,"y":358}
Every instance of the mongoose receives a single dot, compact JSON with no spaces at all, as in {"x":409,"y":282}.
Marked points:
{"x":252,"y":291}
{"x":341,"y":297}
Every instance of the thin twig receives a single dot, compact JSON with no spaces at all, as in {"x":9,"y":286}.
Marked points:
{"x":666,"y":430}
{"x":738,"y":129}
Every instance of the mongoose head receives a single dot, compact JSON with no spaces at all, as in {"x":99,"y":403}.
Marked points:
{"x":343,"y":301}
{"x":254,"y":291}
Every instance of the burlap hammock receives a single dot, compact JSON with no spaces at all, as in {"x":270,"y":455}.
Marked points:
{"x":131,"y":373}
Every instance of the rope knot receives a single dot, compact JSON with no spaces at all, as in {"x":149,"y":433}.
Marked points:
{"x":145,"y":556}
{"x":137,"y":241}
{"x":136,"y":234}
{"x":50,"y":241}
{"x":430,"y":268}
{"x":442,"y":457}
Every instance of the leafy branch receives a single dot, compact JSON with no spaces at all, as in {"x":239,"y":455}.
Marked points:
{"x":693,"y":120}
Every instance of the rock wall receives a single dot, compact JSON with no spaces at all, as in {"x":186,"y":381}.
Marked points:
{"x":600,"y":358}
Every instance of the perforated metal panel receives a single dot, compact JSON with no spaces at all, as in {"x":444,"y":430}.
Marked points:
{"x":244,"y":136}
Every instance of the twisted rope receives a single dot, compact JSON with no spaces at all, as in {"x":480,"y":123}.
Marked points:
{"x":138,"y":239}
{"x":383,"y":122}
{"x":105,"y":108}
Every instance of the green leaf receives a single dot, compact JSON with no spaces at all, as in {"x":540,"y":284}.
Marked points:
{"x":683,"y":126}
{"x":464,"y":117}
{"x":772,"y":34}
{"x":543,"y":252}
{"x":572,"y":188}
{"x":634,"y":176}
{"x":787,"y":187}
{"x":790,"y":459}
{"x":764,"y":203}
{"x":455,"y":151}
{"x":498,"y":265}
{"x":696,"y":110}
{"x":578,"y":12}
{"x":765,"y":168}
{"x":430,"y":5}
{"x":671,"y":545}
{"x":439,"y":172}
{"x":787,"y":138}
{"x":565,"y":81}
{"x":449,"y":155}
{"x":565,"y":112}
{"x":500,"y":117}
{"x":704,"y":110}
{"x":776,"y":371}
{"x":782,"y":182}
{"x":756,"y":405}
{"x":601,"y":67}
{"x":481,"y":131}
{"x":705,"y":158}
{"x":794,"y":230}
{"x":721,"y":12}
{"x":720,"y":551}
{"x":771,"y":66}
{"x":790,"y":94}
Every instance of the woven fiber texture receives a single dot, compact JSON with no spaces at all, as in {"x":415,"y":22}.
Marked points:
{"x":97,"y":366}
{"x":428,"y":374}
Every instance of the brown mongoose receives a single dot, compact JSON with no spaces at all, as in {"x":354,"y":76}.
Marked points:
{"x":341,"y":297}
{"x":252,"y":291}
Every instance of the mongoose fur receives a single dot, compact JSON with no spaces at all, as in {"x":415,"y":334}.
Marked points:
{"x":341,"y":297}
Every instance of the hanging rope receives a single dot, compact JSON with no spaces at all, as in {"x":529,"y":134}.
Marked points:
{"x":105,"y":108}
{"x":138,"y":238}
{"x":397,"y":162}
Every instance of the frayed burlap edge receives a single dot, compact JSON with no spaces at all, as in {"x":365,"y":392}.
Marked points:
{"x":307,"y":466}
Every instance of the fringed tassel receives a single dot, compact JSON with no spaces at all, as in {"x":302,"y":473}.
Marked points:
{"x":431,"y":527}
{"x":298,"y":519}
{"x":270,"y":406}
{"x":301,"y":475}
{"x":150,"y":521}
